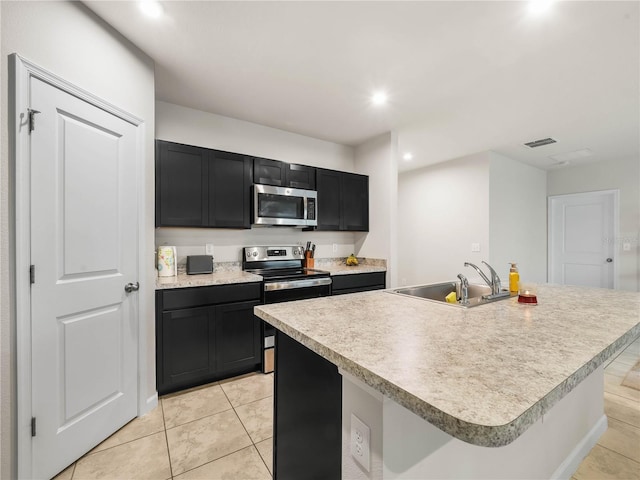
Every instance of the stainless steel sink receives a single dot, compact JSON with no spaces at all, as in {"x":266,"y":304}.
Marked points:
{"x":478,"y":294}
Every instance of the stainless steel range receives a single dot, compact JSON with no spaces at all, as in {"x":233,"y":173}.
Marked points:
{"x":285,"y":279}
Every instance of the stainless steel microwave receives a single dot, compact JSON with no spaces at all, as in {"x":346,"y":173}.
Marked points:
{"x":284,"y":206}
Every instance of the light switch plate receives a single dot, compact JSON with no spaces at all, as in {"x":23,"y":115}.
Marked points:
{"x":475,"y":247}
{"x":626,"y":246}
{"x":360,"y":442}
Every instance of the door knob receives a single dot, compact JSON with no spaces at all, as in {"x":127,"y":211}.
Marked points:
{"x":132,"y":287}
{"x":609,"y":260}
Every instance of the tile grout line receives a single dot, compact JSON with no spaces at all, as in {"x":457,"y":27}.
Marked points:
{"x":245,"y":428}
{"x":166,"y":437}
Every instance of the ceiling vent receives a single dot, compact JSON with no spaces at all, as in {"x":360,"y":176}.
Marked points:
{"x":540,"y":143}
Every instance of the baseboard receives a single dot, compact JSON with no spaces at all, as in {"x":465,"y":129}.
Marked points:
{"x":150,"y":404}
{"x":570,"y":464}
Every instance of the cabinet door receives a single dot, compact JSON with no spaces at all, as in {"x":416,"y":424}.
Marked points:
{"x":186,"y":336}
{"x":229,"y":190}
{"x":269,"y":172}
{"x":237,"y":337}
{"x":300,"y":176}
{"x":308,"y":413}
{"x":329,"y":199}
{"x":355,"y":203}
{"x":181,"y":185}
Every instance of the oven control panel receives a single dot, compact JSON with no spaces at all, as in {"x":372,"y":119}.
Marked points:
{"x":261,"y":254}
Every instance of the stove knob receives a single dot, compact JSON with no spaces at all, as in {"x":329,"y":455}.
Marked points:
{"x":255,"y":254}
{"x":248,"y":254}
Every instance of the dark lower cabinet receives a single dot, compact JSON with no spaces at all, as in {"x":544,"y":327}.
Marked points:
{"x":186,"y":338}
{"x":236,"y":329}
{"x":201,"y":344}
{"x":308,"y":414}
{"x":358,"y":282}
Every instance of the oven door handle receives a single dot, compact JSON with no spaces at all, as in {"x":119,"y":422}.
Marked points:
{"x":290,"y":285}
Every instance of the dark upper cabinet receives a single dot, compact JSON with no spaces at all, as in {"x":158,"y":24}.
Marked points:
{"x":329,"y":200}
{"x":355,"y":202}
{"x":300,"y":176}
{"x":343,"y":201}
{"x":269,"y":172}
{"x":229,"y":190}
{"x":181,"y":185}
{"x":282,"y":174}
{"x":200,"y":187}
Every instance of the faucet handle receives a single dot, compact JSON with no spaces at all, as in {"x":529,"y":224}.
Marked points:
{"x":464,"y":289}
{"x":495,"y":279}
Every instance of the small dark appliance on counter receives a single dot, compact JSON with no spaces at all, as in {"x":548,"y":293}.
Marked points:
{"x":198,"y":264}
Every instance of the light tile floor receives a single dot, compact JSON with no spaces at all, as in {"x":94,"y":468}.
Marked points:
{"x":224,"y":431}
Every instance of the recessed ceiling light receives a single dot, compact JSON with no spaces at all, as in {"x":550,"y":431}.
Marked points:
{"x":539,"y":7}
{"x":151,"y":8}
{"x":407,"y":156}
{"x":379,"y":98}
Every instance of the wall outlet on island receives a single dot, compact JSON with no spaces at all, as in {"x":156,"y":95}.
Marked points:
{"x":208,"y":249}
{"x":360,"y":442}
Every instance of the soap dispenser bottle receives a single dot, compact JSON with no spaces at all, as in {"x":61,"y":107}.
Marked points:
{"x":514,"y":279}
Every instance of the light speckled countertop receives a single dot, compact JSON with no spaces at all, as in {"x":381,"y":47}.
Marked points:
{"x":182,"y":280}
{"x":484,"y":374}
{"x":337,"y":266}
{"x":231,"y":272}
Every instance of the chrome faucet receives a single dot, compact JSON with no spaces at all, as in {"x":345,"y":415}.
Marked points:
{"x":464,"y":289}
{"x":494,"y":283}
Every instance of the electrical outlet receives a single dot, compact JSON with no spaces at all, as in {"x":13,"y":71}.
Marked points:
{"x":208,"y":249}
{"x":360,"y":442}
{"x":335,"y":248}
{"x":475,"y":247}
{"x":626,"y":247}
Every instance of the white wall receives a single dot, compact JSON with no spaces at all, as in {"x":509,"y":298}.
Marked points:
{"x":70,"y":41}
{"x":377,"y":159}
{"x":622,"y":174}
{"x":193,"y":127}
{"x":367,"y":404}
{"x":442,"y":210}
{"x":517,"y":219}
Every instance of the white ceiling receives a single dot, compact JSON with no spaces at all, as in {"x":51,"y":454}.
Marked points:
{"x":462,"y":77}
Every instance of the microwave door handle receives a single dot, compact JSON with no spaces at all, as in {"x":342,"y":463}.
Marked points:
{"x":304,"y":202}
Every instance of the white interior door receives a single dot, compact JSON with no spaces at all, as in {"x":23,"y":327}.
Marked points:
{"x":581,"y":239}
{"x":84,"y":248}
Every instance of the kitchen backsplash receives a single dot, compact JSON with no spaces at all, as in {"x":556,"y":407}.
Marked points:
{"x":228,"y":243}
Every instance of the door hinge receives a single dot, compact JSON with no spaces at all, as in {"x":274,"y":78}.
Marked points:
{"x":32,"y":274}
{"x":32,"y":118}
{"x":33,"y":426}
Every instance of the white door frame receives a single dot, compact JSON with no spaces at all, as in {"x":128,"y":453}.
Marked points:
{"x":616,"y":227}
{"x":23,"y":71}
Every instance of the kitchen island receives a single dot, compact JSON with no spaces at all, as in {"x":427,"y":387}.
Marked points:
{"x":436,"y":382}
